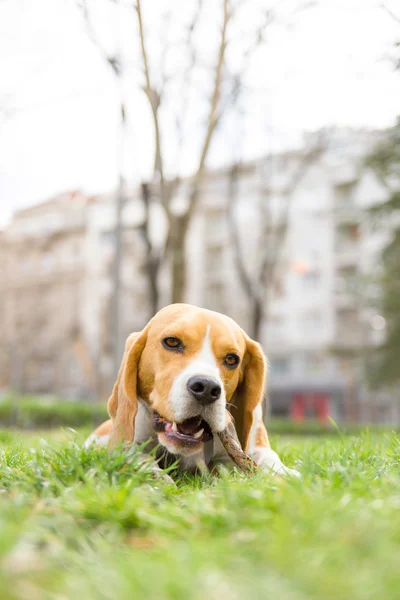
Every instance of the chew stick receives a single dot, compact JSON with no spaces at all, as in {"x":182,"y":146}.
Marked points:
{"x":236,"y":453}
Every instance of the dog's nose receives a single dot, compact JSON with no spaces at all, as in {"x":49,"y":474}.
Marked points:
{"x":204,"y":389}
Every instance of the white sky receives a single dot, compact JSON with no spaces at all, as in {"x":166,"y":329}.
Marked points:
{"x":322,"y":66}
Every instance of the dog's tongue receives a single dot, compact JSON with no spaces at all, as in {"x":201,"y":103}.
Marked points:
{"x":189,"y":426}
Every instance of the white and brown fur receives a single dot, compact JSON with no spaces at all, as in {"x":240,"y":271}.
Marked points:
{"x":152,"y":378}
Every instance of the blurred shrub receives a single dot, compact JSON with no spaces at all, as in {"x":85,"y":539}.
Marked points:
{"x":29,"y":413}
{"x":287,"y":427}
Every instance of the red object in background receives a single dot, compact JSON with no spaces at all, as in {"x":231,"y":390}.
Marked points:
{"x":312,"y":406}
{"x":322,"y":407}
{"x":297,"y":408}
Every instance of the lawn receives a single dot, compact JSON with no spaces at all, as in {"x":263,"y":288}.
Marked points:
{"x":86,"y":525}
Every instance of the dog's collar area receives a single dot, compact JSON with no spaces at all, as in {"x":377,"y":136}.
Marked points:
{"x":189,"y":431}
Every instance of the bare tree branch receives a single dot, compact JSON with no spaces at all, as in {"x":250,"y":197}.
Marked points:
{"x":256,"y":284}
{"x":395,"y":17}
{"x":152,"y":261}
{"x":238,"y":84}
{"x":164,"y":53}
{"x":271,"y":257}
{"x":115,"y":308}
{"x":179,"y":224}
{"x":243,"y":273}
{"x":154,"y":100}
{"x":213,"y":116}
{"x":187,"y":78}
{"x":113,"y":61}
{"x":5,"y":110}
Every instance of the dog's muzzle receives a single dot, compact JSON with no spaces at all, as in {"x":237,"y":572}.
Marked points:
{"x":190,"y":433}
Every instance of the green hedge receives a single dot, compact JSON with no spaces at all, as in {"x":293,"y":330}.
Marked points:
{"x":310,"y":427}
{"x":30,"y":413}
{"x":36,"y":412}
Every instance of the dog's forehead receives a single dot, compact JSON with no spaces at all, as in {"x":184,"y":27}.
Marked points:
{"x":197,"y":323}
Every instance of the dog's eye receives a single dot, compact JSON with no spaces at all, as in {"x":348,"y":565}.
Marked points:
{"x":231,"y":360}
{"x":172,"y":343}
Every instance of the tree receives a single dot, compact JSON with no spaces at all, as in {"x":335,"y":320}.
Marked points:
{"x":216,"y":95}
{"x":226,"y":88}
{"x":385,"y":161}
{"x":160,"y":189}
{"x":114,"y":62}
{"x":258,"y":279}
{"x":178,"y":222}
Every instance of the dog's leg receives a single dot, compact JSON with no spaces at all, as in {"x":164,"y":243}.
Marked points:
{"x":260,"y":450}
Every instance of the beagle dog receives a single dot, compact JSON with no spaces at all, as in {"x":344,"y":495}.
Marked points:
{"x":189,"y":374}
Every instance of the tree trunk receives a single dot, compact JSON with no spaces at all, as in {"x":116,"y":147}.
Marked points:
{"x":178,"y":275}
{"x":115,"y":321}
{"x":178,"y":230}
{"x":153,"y":286}
{"x":152,"y":261}
{"x":256,"y":319}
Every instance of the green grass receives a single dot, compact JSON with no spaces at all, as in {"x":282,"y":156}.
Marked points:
{"x":79,"y":524}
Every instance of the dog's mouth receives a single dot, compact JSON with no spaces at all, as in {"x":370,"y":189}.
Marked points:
{"x":190,"y":432}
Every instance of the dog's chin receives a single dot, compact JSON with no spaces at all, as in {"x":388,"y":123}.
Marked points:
{"x":179,"y":447}
{"x":185,"y":438}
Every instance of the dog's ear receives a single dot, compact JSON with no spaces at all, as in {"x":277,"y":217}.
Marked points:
{"x":123,"y":403}
{"x":250,"y":390}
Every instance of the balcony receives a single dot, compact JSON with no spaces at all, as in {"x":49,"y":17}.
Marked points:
{"x":347,"y":254}
{"x":344,"y":300}
{"x":349,"y":329}
{"x":347,"y":213}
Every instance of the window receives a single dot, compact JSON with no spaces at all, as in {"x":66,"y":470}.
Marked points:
{"x":346,"y":279}
{"x":275,"y":326}
{"x":108,"y":238}
{"x":313,"y":362}
{"x":347,"y":316}
{"x":344,"y":192}
{"x":107,"y":243}
{"x":280,"y":365}
{"x":311,"y":279}
{"x":279,"y":286}
{"x":76,"y":250}
{"x":46,"y":373}
{"x":215,"y":254}
{"x":24,"y":264}
{"x":353,"y":231}
{"x":214,"y":263}
{"x":311,"y":319}
{"x":47,"y":261}
{"x":215,"y":296}
{"x":347,"y":235}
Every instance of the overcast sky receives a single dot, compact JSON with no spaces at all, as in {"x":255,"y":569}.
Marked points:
{"x":323,"y":66}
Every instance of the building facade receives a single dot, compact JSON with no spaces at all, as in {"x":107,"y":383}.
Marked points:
{"x":319,"y":313}
{"x":322,"y":306}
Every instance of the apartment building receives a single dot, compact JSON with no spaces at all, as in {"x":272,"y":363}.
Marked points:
{"x":57,"y":260}
{"x":43,"y":343}
{"x":322,"y":312}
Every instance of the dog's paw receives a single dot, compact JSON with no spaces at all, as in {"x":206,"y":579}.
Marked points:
{"x":267,"y":460}
{"x":287,"y":472}
{"x":159,"y":473}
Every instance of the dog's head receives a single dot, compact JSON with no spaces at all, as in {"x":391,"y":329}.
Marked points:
{"x":188,"y":364}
